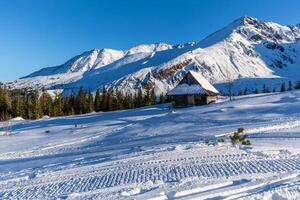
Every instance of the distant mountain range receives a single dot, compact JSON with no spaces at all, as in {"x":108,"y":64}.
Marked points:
{"x":250,"y":51}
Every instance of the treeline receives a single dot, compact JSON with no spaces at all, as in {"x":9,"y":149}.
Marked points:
{"x":266,"y":89}
{"x":33,"y":105}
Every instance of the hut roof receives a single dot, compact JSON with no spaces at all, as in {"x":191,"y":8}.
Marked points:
{"x":202,"y":87}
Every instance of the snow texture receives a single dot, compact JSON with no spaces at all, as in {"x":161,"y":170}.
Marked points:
{"x":152,"y":153}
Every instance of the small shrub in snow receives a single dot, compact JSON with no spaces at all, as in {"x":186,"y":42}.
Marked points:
{"x":221,"y":140}
{"x":238,"y":137}
{"x":206,"y":141}
{"x":246,"y":142}
{"x":235,"y":138}
{"x":240,"y":130}
{"x":47,"y":131}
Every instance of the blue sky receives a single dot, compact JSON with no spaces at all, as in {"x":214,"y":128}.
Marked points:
{"x":36,"y":34}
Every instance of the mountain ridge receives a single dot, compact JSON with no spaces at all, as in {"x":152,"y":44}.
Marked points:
{"x":246,"y":49}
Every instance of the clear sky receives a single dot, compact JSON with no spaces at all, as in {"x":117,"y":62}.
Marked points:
{"x":41,"y":33}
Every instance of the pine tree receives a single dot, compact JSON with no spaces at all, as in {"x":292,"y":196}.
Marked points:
{"x":27,"y":106}
{"x":57,"y":106}
{"x":152,"y":97}
{"x":282,"y":87}
{"x":265,"y":89}
{"x":97,"y":102}
{"x":46,"y":103}
{"x":139,"y":98}
{"x":104,"y":99}
{"x":36,"y":106}
{"x":67,"y":105}
{"x":147,"y":97}
{"x":273,"y":90}
{"x":109,"y":100}
{"x":5,"y":104}
{"x":128,"y":101}
{"x":119,"y":100}
{"x":162,"y":98}
{"x":290,"y":87}
{"x":81,"y":102}
{"x":72,"y":104}
{"x":245,"y":92}
{"x":256,"y":91}
{"x":90,"y":103}
{"x":18,"y":105}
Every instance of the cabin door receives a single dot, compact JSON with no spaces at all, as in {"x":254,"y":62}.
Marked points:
{"x":191,"y":100}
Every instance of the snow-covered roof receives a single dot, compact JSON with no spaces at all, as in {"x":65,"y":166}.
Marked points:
{"x":203,"y":87}
{"x":203,"y":82}
{"x":187,"y":89}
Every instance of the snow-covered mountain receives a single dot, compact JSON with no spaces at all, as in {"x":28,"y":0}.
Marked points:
{"x":248,"y":50}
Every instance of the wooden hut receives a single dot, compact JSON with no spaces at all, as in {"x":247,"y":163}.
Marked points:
{"x":193,"y":90}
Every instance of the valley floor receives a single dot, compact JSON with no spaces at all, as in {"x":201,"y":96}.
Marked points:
{"x":153,"y":153}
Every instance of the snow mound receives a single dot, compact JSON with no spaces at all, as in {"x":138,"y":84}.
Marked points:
{"x":17,"y":119}
{"x":45,"y":117}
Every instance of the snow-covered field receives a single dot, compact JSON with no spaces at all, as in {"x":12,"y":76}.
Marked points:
{"x":152,"y":153}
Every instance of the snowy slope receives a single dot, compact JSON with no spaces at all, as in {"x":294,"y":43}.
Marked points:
{"x":152,"y":153}
{"x":248,"y":50}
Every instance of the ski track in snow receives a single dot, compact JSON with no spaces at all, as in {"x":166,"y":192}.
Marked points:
{"x":152,"y":153}
{"x":90,"y":178}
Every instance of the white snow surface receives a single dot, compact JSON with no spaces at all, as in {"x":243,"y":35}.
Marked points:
{"x":153,"y":153}
{"x":248,"y":50}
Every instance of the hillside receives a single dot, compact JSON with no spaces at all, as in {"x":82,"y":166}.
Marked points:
{"x":152,"y":153}
{"x":248,"y":50}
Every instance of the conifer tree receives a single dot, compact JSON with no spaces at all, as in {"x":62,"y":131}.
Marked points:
{"x":162,"y":98}
{"x":67,"y":105}
{"x":27,"y":106}
{"x":152,"y":97}
{"x":290,"y":87}
{"x":147,"y":97}
{"x":265,"y":89}
{"x":81,"y":102}
{"x":109,"y":100}
{"x":57,"y":105}
{"x":104,"y":99}
{"x":119,"y":100}
{"x":97,"y":102}
{"x":46,"y":103}
{"x":245,"y":92}
{"x":128,"y":101}
{"x":36,"y":106}
{"x":18,"y":105}
{"x":282,"y":87}
{"x":5,"y":104}
{"x":139,"y":98}
{"x":90,"y":103}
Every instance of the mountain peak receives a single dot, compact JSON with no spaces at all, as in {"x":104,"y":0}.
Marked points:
{"x":247,"y":47}
{"x":249,"y":20}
